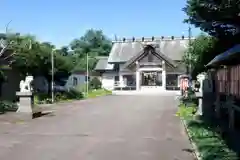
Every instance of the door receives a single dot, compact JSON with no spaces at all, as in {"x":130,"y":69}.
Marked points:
{"x":151,"y":79}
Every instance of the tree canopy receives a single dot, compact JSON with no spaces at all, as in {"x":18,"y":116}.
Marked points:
{"x":34,"y":57}
{"x":94,"y":43}
{"x":218,"y":18}
{"x":200,"y":52}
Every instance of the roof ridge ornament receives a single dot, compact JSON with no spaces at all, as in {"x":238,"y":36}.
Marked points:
{"x":149,"y":39}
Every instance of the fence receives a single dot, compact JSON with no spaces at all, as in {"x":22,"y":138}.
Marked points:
{"x":227,"y":84}
{"x":227,"y":81}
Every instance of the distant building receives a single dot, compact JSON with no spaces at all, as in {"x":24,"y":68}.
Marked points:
{"x":146,"y":63}
{"x":79,"y":78}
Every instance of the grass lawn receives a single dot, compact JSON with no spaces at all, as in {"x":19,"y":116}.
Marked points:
{"x":98,"y":92}
{"x":206,"y":136}
{"x":209,"y":142}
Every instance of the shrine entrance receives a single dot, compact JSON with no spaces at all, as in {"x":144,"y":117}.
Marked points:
{"x":151,"y":78}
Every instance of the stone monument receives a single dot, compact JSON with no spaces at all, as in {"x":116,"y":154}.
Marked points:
{"x":26,"y":95}
{"x":205,"y":92}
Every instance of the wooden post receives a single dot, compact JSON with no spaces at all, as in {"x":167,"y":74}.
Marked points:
{"x":199,"y":95}
{"x":230,"y":112}
{"x":231,"y":118}
{"x":218,"y":107}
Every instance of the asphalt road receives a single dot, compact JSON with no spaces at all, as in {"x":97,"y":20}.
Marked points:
{"x":105,"y":128}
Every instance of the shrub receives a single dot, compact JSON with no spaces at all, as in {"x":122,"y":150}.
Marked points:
{"x":186,"y":112}
{"x":95,"y":83}
{"x":73,"y":94}
{"x":58,"y":96}
{"x":6,"y":106}
{"x":190,"y":99}
{"x":42,"y":96}
{"x":2,"y":109}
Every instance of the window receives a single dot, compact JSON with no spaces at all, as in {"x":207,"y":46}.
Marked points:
{"x":75,"y":81}
{"x":172,"y":80}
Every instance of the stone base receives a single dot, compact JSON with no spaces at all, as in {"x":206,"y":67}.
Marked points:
{"x":25,"y":102}
{"x":199,"y":95}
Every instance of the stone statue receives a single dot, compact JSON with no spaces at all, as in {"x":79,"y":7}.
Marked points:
{"x":26,"y":86}
{"x":205,"y":83}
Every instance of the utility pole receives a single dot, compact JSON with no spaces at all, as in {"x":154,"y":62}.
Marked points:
{"x":189,"y":45}
{"x":87,"y":75}
{"x":52,"y":62}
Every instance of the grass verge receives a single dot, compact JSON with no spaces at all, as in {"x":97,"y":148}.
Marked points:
{"x":205,"y":136}
{"x":46,"y":99}
{"x":98,"y":92}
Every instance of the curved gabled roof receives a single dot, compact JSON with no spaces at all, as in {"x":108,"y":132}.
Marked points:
{"x":156,"y":52}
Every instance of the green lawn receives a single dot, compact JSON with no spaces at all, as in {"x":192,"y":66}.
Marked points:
{"x":206,"y":136}
{"x":209,"y":143}
{"x":97,"y":93}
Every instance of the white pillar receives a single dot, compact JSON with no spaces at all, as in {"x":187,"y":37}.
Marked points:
{"x":121,"y":81}
{"x":163,"y":74}
{"x":137,"y":77}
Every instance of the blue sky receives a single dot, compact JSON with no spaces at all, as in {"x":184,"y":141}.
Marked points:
{"x":60,"y":21}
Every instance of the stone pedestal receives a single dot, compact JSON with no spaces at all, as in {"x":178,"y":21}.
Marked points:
{"x":25,"y":102}
{"x":199,"y":95}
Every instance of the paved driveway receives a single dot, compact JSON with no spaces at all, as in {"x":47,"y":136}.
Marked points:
{"x":106,"y":128}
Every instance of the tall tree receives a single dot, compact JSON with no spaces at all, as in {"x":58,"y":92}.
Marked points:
{"x":64,"y":50}
{"x":93,"y":42}
{"x":200,"y":52}
{"x":219,"y":18}
{"x":35,"y":57}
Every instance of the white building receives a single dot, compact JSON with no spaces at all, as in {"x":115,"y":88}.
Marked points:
{"x":76,"y":79}
{"x":140,"y":64}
